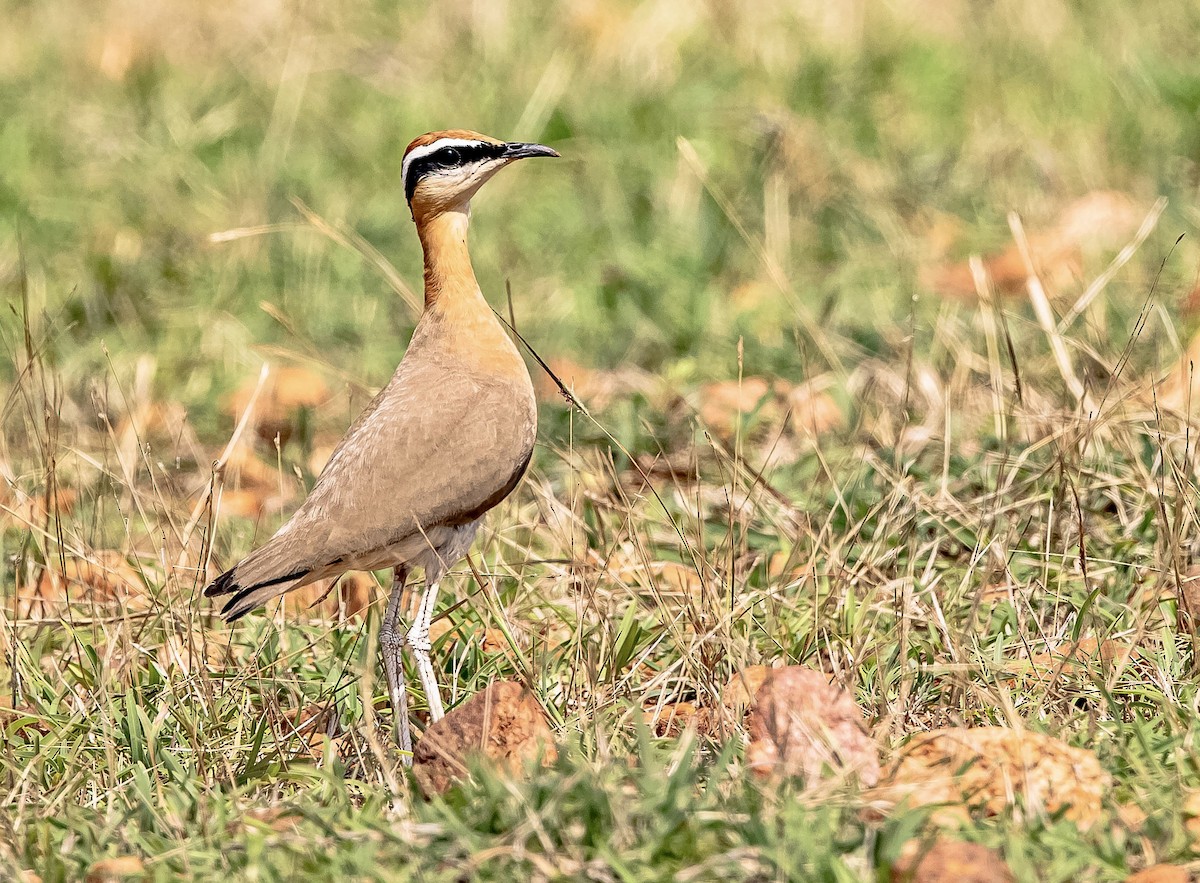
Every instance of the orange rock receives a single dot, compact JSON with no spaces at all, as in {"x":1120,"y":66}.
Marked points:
{"x":777,"y":564}
{"x":1109,"y":652}
{"x":678,"y":579}
{"x":1099,"y":221}
{"x":321,"y":452}
{"x":1007,"y":270}
{"x":1191,"y":815}
{"x":1103,"y":220}
{"x":103,"y":578}
{"x":286,"y":394}
{"x":752,"y":294}
{"x":1180,"y":391}
{"x":347,"y":597}
{"x":578,"y":379}
{"x":673,"y":465}
{"x":724,"y":403}
{"x":949,"y":861}
{"x":593,"y":388}
{"x":1075,"y":658}
{"x":1131,"y":816}
{"x":306,"y":730}
{"x":189,"y":653}
{"x":740,"y":690}
{"x":166,"y":421}
{"x":490,"y":641}
{"x":503,"y":724}
{"x":803,"y":726}
{"x":299,"y":388}
{"x":31,"y":720}
{"x":493,"y":641}
{"x":670,"y":580}
{"x":669,"y":721}
{"x":814,"y":412}
{"x":991,"y":767}
{"x":1160,"y":874}
{"x":275,"y":818}
{"x":111,"y":870}
{"x":26,"y":510}
{"x":439,"y":628}
{"x":243,"y":503}
{"x":244,"y":470}
{"x":63,"y":501}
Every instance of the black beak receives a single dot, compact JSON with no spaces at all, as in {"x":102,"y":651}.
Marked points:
{"x":519,"y":150}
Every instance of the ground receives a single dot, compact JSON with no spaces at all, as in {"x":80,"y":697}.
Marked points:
{"x":814,"y":430}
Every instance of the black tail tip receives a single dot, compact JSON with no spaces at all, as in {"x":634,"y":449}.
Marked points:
{"x":229,"y":614}
{"x":222,"y":585}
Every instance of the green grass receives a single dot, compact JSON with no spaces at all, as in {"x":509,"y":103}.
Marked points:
{"x":746,"y":189}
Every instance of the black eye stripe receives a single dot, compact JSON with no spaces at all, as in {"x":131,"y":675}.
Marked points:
{"x":461,"y":155}
{"x":449,"y":157}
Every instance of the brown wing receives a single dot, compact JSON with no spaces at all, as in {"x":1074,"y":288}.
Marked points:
{"x":433,"y":448}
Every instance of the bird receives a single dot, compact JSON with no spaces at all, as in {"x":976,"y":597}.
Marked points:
{"x":448,"y":437}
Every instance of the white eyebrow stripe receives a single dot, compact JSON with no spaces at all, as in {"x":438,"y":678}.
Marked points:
{"x":433,"y":147}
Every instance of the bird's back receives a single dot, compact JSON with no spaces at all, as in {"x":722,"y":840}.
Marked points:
{"x":447,"y":439}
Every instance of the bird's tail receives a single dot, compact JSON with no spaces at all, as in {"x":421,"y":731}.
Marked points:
{"x":252,"y":583}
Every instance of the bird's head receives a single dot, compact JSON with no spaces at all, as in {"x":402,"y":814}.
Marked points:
{"x":443,"y":170}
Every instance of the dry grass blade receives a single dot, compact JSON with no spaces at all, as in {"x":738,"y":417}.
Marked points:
{"x":1045,"y":317}
{"x":1124,"y":256}
{"x":774,"y":271}
{"x":353,"y":241}
{"x":236,"y":233}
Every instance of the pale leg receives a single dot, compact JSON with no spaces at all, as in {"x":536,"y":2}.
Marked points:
{"x":391,"y":643}
{"x":418,"y":643}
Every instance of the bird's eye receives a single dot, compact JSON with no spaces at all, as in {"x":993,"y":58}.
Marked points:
{"x":450,"y":156}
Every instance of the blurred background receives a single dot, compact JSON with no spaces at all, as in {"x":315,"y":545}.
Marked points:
{"x":885,"y":312}
{"x":804,"y":177}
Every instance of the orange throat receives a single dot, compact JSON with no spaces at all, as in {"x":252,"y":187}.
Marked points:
{"x":448,"y":271}
{"x":455,"y":305}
